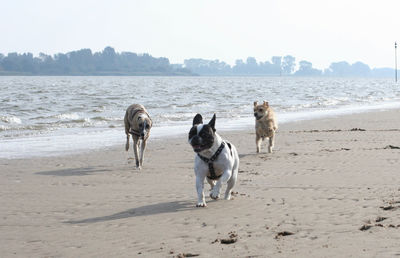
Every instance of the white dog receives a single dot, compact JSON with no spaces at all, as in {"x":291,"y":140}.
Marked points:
{"x":216,"y":159}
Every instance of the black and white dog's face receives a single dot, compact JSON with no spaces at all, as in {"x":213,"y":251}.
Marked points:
{"x":201,"y":136}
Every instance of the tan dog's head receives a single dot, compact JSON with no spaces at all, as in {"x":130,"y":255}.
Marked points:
{"x":261,"y":110}
{"x":144,"y":124}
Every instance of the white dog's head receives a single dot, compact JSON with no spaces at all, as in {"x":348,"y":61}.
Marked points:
{"x":201,"y":136}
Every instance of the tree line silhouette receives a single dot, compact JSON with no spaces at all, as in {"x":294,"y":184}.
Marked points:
{"x":109,"y":62}
{"x":84,"y":62}
{"x":283,"y":66}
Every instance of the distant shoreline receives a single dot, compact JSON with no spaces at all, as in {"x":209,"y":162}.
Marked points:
{"x":108,"y":62}
{"x":97,"y":74}
{"x":186,"y":75}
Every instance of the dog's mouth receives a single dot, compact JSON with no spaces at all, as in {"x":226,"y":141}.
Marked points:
{"x":199,"y":147}
{"x":258,"y":117}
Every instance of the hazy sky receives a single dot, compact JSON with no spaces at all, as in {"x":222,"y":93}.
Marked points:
{"x":314,"y":30}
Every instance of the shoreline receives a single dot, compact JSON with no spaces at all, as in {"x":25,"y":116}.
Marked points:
{"x":333,"y":183}
{"x":95,"y":139}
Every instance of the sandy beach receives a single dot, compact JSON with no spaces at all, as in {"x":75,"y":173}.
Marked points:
{"x":330,"y":189}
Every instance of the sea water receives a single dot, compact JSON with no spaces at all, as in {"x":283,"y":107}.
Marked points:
{"x":44,"y":116}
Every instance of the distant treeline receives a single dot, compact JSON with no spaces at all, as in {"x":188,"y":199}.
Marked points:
{"x":283,"y":66}
{"x":84,"y":62}
{"x":109,"y":62}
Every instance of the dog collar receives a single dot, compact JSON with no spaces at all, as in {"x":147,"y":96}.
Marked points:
{"x":134,"y":132}
{"x":137,"y":133}
{"x":210,"y":161}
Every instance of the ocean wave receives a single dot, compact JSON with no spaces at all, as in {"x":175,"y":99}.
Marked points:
{"x":76,"y":121}
{"x":10,"y":119}
{"x":70,"y":116}
{"x":3,"y":128}
{"x":35,"y":127}
{"x":175,"y":117}
{"x":102,"y":118}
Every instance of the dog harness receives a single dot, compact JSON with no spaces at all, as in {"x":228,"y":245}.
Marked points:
{"x":210,"y":161}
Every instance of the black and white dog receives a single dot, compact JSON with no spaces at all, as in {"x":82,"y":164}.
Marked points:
{"x":216,"y":159}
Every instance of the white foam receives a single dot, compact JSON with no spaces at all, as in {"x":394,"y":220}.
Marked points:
{"x":10,"y":119}
{"x":69,"y":116}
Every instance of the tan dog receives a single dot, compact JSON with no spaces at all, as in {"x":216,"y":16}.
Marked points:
{"x":266,"y":125}
{"x":138,"y":124}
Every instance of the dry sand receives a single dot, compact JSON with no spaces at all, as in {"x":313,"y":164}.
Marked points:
{"x":336,"y":189}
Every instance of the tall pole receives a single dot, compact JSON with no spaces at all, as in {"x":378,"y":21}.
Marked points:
{"x":395,"y":61}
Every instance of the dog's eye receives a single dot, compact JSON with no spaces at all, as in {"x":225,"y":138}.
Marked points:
{"x":260,"y":110}
{"x":147,"y":126}
{"x":140,"y":125}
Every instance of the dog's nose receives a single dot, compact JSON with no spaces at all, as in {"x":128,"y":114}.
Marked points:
{"x":255,"y":114}
{"x":195,"y":140}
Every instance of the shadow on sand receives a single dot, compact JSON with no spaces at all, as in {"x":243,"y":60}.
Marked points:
{"x":244,"y":155}
{"x":73,"y":172}
{"x":152,"y":209}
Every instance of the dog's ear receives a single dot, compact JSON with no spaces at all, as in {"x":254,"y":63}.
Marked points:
{"x":255,"y":103}
{"x":198,"y":119}
{"x":150,"y":122}
{"x":265,"y":104}
{"x":212,"y":122}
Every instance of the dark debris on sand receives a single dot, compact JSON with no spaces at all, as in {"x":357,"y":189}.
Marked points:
{"x":183,"y":255}
{"x":389,"y":207}
{"x":379,"y":219}
{"x":358,"y":129}
{"x":233,"y":238}
{"x":283,"y":233}
{"x":365,"y":227}
{"x":392,"y":147}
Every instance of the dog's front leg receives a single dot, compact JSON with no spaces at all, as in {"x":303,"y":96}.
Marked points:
{"x":271,"y":142}
{"x":223,"y":179}
{"x":142,"y":149}
{"x":258,"y":143}
{"x":136,"y":149}
{"x":211,"y":182}
{"x":201,"y":201}
{"x":216,"y":190}
{"x":127,"y":142}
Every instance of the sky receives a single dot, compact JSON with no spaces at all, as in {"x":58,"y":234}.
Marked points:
{"x":318,"y":31}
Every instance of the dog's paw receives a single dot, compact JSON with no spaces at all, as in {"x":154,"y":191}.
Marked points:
{"x":227,"y":196}
{"x":138,"y":165}
{"x":201,"y":204}
{"x":214,"y":195}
